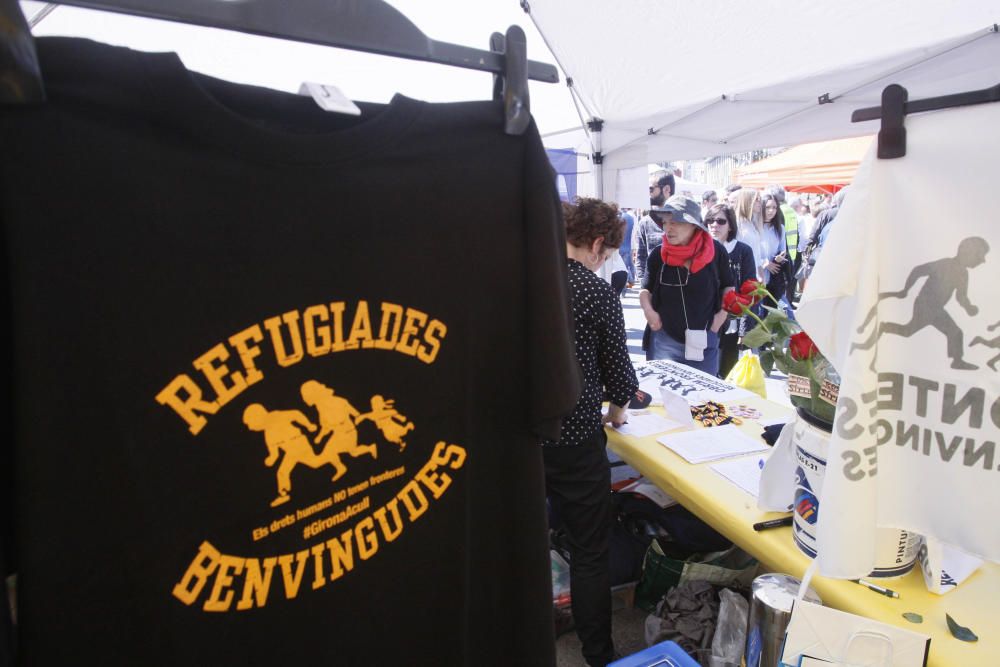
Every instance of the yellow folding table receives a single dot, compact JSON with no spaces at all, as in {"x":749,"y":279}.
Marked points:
{"x":732,"y":511}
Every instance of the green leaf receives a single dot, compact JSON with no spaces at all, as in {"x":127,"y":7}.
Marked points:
{"x":756,"y":337}
{"x":823,"y":410}
{"x":788,"y":328}
{"x":801,"y":402}
{"x":775,"y":318}
{"x":791,"y":366}
{"x":766,"y":361}
{"x":960,"y":632}
{"x":913,"y":618}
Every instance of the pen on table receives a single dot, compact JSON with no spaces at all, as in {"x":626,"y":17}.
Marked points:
{"x":889,"y":593}
{"x":773,"y":523}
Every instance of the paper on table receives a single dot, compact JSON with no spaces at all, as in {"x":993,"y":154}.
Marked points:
{"x":709,"y":444}
{"x":653,"y":387}
{"x":734,"y":394}
{"x":744,"y":473}
{"x":944,"y":566}
{"x":695,"y":386}
{"x":640,"y":426}
{"x":676,"y":407}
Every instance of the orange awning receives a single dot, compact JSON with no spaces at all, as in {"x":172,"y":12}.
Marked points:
{"x":824,"y":166}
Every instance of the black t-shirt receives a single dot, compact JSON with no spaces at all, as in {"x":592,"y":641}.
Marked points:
{"x":234,"y":442}
{"x":702,"y":291}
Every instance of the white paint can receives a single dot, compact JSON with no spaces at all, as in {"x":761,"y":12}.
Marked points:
{"x":896,"y":550}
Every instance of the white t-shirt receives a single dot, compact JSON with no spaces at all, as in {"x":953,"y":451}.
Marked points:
{"x":806,"y":224}
{"x":612,"y":266}
{"x":748,"y":233}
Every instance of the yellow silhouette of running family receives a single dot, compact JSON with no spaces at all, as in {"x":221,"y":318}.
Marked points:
{"x":338,"y":421}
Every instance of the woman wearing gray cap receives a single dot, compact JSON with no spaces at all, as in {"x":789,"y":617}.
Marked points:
{"x":682,"y":289}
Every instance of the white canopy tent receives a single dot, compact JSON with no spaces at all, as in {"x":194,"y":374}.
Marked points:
{"x":632,"y":186}
{"x":676,"y":80}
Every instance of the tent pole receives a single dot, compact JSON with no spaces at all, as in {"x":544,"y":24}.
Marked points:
{"x":592,"y":127}
{"x":830,"y":98}
{"x":596,"y":126}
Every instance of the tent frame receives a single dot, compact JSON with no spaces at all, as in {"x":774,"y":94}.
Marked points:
{"x":372,"y":26}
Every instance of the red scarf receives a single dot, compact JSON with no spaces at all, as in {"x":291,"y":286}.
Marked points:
{"x":701,"y":251}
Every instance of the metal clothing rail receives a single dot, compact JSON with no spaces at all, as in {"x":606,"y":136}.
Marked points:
{"x":895,"y":106}
{"x":370,"y":26}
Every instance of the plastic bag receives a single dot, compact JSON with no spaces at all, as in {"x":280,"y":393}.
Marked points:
{"x":661,"y":572}
{"x":730,"y":630}
{"x":686,"y":615}
{"x":748,"y":374}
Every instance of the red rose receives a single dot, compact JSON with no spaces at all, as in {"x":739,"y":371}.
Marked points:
{"x":735,"y":303}
{"x":750,"y":289}
{"x":801,"y":346}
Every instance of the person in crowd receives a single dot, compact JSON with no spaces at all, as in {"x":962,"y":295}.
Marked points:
{"x":777,"y":269}
{"x":731,"y":196}
{"x":625,"y":252}
{"x":708,"y":200}
{"x":615,"y":273}
{"x":790,"y":217}
{"x":815,"y":210}
{"x":682,"y":289}
{"x":577,"y":472}
{"x":820,"y":232}
{"x":647,"y":232}
{"x":791,"y":220}
{"x":804,"y":215}
{"x":721,"y":223}
{"x":750,"y":226}
{"x":806,"y":222}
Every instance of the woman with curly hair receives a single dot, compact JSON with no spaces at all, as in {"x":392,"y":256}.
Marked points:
{"x":577,"y":473}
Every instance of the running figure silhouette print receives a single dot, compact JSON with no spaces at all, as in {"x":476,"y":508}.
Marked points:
{"x":944,"y":279}
{"x":904,"y":304}
{"x":994,"y":343}
{"x":338,"y":433}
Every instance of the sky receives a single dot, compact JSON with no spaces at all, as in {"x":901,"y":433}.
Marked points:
{"x":285,"y":65}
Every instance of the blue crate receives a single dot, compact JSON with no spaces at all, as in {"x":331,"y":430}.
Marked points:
{"x":664,"y":654}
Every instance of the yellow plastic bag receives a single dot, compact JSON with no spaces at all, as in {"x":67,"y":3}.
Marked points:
{"x":748,"y":374}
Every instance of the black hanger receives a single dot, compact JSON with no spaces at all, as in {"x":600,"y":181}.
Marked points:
{"x":513,"y":85}
{"x":892,"y":135}
{"x":371,"y":26}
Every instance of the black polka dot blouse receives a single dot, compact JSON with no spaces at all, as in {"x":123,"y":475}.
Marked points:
{"x":601,"y":350}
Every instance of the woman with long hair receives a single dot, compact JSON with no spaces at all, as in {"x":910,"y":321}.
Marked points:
{"x":775,"y":250}
{"x":750,"y":226}
{"x":722,"y":226}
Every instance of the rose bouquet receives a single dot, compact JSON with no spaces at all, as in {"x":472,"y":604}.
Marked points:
{"x":813,"y":382}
